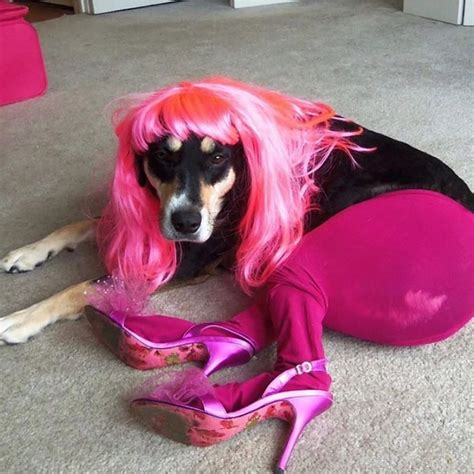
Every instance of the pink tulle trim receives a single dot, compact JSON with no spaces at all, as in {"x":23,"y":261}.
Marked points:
{"x":113,"y":294}
{"x":182,"y":386}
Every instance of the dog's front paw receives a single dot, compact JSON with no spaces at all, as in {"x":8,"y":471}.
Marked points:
{"x":26,"y":258}
{"x":19,"y":327}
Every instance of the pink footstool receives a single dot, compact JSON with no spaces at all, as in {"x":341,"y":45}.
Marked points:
{"x":22,"y":70}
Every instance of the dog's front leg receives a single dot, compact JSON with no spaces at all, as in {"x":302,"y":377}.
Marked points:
{"x":68,"y":304}
{"x":33,"y":255}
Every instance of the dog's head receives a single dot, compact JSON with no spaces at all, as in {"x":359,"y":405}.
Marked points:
{"x":191,"y":179}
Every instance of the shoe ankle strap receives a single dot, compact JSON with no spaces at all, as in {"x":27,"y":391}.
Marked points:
{"x":197,"y":330}
{"x":304,"y":368}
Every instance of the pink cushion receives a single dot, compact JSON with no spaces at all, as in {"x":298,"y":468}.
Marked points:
{"x":22,"y":70}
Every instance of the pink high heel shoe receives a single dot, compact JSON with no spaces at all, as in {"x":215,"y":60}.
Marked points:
{"x":212,"y":424}
{"x":141,"y":353}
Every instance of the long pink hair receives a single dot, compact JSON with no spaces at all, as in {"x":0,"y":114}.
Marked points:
{"x":285,"y":141}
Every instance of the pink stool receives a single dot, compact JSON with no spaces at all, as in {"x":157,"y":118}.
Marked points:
{"x":22,"y":70}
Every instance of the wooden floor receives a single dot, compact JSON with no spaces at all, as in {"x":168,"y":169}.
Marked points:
{"x":39,"y":11}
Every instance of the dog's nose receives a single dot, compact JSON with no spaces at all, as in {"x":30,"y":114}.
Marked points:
{"x":186,"y":222}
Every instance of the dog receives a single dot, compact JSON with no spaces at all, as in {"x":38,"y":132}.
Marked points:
{"x":201,"y":187}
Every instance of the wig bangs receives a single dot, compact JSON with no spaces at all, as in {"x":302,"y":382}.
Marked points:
{"x":181,"y":112}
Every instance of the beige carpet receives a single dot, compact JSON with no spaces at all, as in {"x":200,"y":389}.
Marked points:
{"x":63,"y":396}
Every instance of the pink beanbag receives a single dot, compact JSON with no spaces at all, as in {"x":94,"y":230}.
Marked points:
{"x":22,"y":69}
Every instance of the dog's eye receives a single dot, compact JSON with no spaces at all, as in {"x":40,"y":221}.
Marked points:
{"x":158,"y":153}
{"x":217,"y":159}
{"x":166,"y":157}
{"x":161,"y":154}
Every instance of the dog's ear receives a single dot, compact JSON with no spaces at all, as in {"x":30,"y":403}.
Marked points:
{"x":140,"y":170}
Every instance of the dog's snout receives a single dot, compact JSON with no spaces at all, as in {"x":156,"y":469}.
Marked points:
{"x":186,"y":222}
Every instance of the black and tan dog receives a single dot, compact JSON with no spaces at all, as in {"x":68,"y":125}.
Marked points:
{"x":202,"y":187}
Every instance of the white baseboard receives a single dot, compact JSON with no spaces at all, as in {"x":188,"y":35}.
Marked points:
{"x":256,"y":3}
{"x":94,"y":7}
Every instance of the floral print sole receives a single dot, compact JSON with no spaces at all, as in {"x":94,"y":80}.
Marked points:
{"x":138,"y":355}
{"x":194,"y":427}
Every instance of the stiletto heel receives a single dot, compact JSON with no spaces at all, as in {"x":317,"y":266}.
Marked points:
{"x":305,"y":409}
{"x":230,"y":349}
{"x":211,"y":424}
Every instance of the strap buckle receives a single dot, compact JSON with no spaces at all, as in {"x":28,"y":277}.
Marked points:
{"x":304,"y":368}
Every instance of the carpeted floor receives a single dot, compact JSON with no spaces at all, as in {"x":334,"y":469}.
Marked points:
{"x":63,"y":396}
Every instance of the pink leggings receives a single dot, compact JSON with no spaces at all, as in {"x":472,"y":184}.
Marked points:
{"x":398,"y":269}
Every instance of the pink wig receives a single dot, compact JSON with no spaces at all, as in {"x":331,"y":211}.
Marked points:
{"x":285,"y":141}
